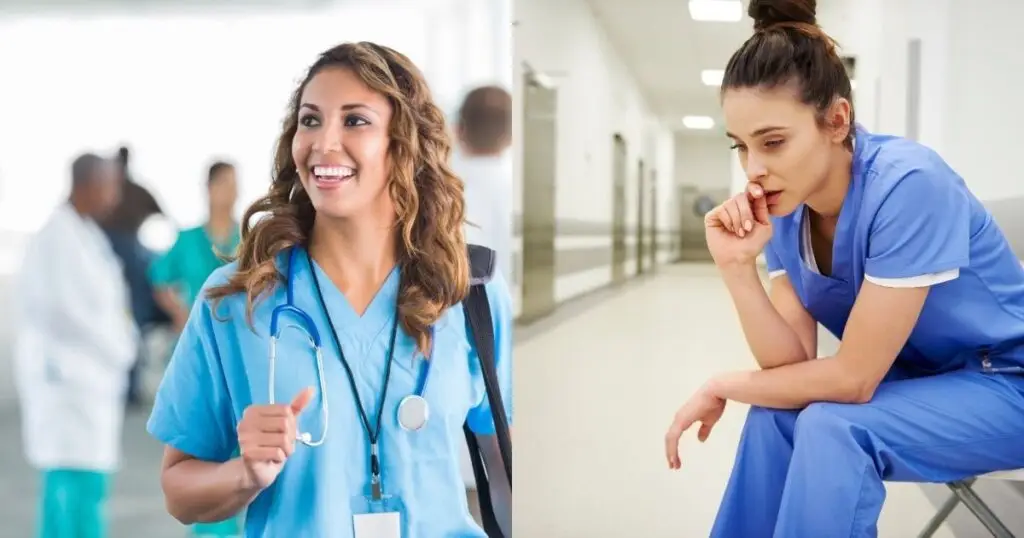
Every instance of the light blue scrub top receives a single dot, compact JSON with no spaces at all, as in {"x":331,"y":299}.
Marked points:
{"x":220,"y":367}
{"x":909,"y":220}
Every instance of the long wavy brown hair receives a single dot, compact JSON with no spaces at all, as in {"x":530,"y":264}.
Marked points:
{"x":427,"y":196}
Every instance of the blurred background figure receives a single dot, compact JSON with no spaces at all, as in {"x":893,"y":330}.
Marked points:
{"x":122,"y":228}
{"x":484,"y":132}
{"x":178,"y":275}
{"x":75,"y":343}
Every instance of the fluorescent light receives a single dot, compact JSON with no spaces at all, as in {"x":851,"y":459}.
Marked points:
{"x":698,"y":122}
{"x":716,"y":10}
{"x":712,"y":77}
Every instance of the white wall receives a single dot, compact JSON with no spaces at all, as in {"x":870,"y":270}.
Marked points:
{"x":971,"y":69}
{"x":703,"y":161}
{"x":597,"y":98}
{"x":94,"y":82}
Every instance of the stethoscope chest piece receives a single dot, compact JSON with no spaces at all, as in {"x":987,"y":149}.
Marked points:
{"x":413,"y":412}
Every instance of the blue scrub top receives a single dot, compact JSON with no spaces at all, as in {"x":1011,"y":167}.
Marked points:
{"x":220,"y":367}
{"x":909,"y":220}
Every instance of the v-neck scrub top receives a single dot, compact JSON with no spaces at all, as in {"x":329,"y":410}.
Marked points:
{"x":220,"y":367}
{"x":908,"y":220}
{"x":191,"y":260}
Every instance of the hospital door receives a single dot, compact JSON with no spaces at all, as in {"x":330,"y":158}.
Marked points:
{"x":539,"y":128}
{"x":619,"y":172}
{"x":652,"y":222}
{"x":641,"y":214}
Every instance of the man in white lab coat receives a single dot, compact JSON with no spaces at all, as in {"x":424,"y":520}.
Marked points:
{"x":484,"y":132}
{"x":74,"y":346}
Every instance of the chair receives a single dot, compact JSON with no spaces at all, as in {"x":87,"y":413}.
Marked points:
{"x":963,"y":492}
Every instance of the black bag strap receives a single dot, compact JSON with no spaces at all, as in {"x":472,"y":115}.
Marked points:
{"x":480,"y":323}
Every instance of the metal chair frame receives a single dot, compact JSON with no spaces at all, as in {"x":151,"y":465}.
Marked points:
{"x":963,"y":492}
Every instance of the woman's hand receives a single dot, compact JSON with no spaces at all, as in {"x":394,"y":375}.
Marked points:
{"x":738,"y":230}
{"x":266,"y":436}
{"x":703,"y":407}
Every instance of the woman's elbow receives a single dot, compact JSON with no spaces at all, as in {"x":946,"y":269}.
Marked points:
{"x":856,"y":390}
{"x":178,"y":511}
{"x":175,"y":498}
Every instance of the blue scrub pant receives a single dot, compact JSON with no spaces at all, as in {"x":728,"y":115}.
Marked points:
{"x":818,"y":472}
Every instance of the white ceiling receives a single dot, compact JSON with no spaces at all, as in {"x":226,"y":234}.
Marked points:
{"x":666,"y":50}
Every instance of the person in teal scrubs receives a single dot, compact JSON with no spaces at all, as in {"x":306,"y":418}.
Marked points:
{"x":179,"y":274}
{"x":357,"y":248}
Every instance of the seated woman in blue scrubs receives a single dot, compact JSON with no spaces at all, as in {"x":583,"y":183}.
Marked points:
{"x":360,"y":240}
{"x":877,"y":239}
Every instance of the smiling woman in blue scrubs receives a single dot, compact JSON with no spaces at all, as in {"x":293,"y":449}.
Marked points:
{"x":877,"y":239}
{"x":358,"y":244}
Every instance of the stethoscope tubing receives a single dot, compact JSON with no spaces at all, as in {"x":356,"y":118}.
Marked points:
{"x":306,"y":323}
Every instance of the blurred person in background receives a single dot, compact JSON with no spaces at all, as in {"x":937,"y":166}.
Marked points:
{"x":359,"y":242}
{"x":484,"y":133}
{"x":75,"y":344}
{"x":122,"y":228}
{"x":179,"y":274}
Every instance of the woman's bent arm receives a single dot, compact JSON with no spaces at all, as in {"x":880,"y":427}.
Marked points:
{"x":199,"y":491}
{"x":778,"y":329}
{"x":880,"y":324}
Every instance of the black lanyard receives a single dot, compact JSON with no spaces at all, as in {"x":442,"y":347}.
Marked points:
{"x":372,"y":434}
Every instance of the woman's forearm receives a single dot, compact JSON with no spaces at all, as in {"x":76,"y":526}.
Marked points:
{"x":772,"y":340}
{"x":167,"y":299}
{"x":793,"y":386}
{"x":205,"y":492}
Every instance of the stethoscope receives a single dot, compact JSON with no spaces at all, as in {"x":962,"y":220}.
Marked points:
{"x":413,"y":409}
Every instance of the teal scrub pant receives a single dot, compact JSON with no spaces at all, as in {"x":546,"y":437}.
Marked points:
{"x":224,"y":529}
{"x":73,"y":504}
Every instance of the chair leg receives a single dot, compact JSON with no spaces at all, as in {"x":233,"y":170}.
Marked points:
{"x":980,"y":510}
{"x":940,"y":517}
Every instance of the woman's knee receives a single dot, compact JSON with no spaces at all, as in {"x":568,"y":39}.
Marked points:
{"x":766,"y":419}
{"x":823,"y":421}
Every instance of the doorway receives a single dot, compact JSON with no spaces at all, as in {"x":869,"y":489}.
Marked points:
{"x":540,"y":100}
{"x":618,"y":209}
{"x":653,"y":233}
{"x":641,"y":214}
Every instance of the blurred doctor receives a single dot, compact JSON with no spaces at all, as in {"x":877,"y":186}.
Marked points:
{"x":484,"y":132}
{"x":75,"y":344}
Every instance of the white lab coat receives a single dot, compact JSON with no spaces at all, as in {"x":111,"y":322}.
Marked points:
{"x":74,"y":346}
{"x":488,"y":195}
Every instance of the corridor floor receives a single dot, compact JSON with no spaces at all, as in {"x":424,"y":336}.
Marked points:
{"x":595,"y":395}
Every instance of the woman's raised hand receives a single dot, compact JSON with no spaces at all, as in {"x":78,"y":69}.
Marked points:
{"x":738,"y":229}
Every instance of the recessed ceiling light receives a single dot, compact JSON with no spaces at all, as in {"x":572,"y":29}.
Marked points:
{"x":716,"y":10}
{"x":712,"y":77}
{"x":698,"y":122}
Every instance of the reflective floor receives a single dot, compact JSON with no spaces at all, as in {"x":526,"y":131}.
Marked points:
{"x":595,"y":389}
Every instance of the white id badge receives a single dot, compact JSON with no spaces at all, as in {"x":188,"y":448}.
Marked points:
{"x":377,"y":518}
{"x":378,"y":525}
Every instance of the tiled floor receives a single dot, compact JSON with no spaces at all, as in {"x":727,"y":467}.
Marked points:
{"x":595,"y":395}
